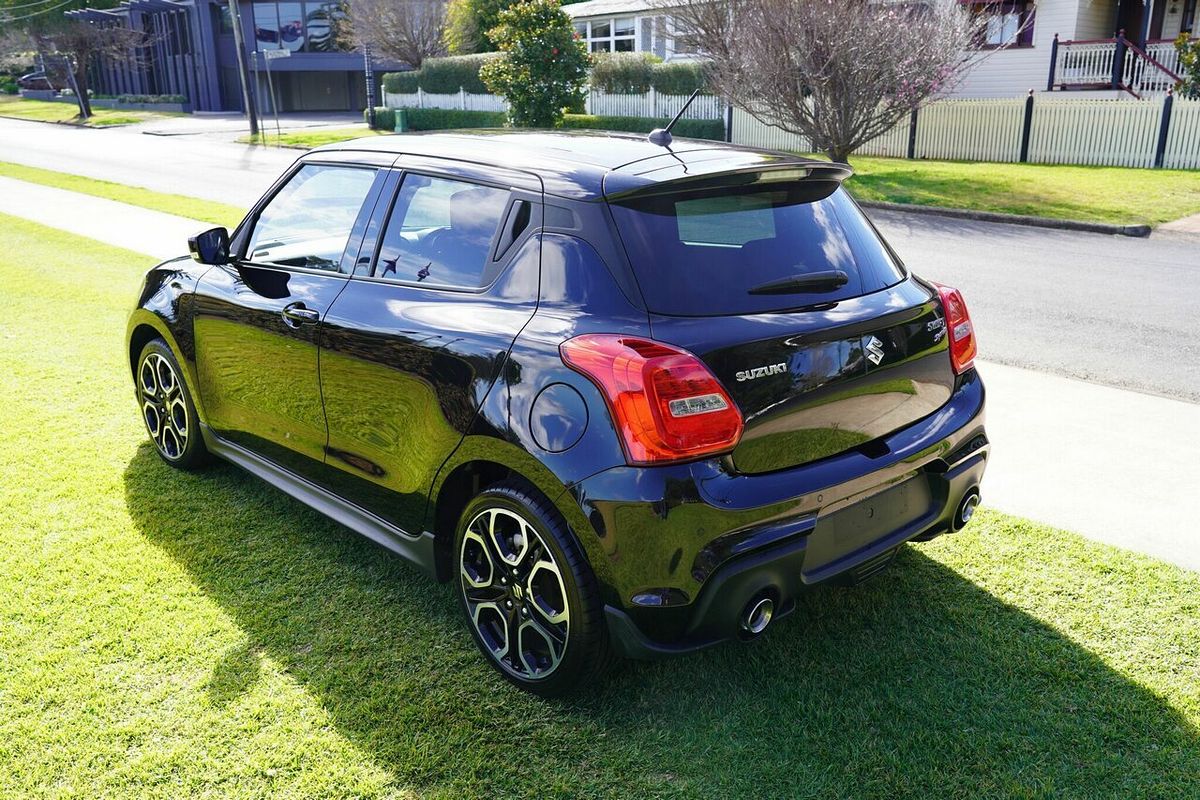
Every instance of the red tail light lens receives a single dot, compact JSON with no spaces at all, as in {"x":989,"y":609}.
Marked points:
{"x":666,"y":404}
{"x":958,"y":328}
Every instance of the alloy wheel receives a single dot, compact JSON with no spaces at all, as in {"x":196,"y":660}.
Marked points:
{"x":515,"y":595}
{"x":164,"y":408}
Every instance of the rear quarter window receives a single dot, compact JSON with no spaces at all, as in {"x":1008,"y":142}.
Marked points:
{"x":700,"y":253}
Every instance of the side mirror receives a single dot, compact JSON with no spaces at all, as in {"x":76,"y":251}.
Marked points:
{"x":210,"y":246}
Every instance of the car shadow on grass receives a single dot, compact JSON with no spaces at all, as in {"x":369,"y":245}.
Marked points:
{"x":918,"y":683}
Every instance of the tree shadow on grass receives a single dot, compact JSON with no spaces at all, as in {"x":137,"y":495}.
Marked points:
{"x":916,"y":684}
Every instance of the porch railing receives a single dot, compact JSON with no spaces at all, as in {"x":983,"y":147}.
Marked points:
{"x":1115,"y":63}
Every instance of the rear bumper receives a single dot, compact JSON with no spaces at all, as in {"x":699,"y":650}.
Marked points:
{"x":688,"y":548}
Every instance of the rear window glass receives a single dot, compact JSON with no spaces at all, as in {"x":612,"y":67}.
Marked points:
{"x":700,"y":253}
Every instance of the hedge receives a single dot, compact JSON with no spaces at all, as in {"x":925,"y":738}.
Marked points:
{"x":441,"y":75}
{"x":439,"y":119}
{"x":689,"y":128}
{"x":635,"y":73}
{"x":436,"y":119}
{"x":615,"y":73}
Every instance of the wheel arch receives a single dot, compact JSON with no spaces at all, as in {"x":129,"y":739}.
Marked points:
{"x":144,"y":326}
{"x":481,"y":461}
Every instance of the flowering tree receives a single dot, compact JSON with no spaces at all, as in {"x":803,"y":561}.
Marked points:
{"x":839,"y":72}
{"x":543,"y":66}
{"x":1189,"y":64}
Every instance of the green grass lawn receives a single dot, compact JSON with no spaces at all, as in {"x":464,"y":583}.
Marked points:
{"x":306,"y":139}
{"x":201,"y":635}
{"x":1093,"y":194}
{"x":48,"y":111}
{"x":191,"y":207}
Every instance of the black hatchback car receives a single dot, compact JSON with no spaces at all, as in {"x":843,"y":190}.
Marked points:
{"x":630,"y":399}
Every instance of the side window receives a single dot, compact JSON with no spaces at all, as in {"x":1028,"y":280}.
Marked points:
{"x":308,"y":222}
{"x":440,"y":233}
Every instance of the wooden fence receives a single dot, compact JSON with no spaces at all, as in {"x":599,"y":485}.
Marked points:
{"x":1040,"y":130}
{"x":651,"y":104}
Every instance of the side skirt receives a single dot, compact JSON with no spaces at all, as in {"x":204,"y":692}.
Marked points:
{"x":417,"y":549}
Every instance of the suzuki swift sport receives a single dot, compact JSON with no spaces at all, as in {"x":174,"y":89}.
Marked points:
{"x":629,"y":398}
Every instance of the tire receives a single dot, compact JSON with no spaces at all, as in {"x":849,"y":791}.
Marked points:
{"x":522,"y":579}
{"x":167,"y":408}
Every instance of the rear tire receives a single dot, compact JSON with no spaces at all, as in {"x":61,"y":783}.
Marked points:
{"x":167,"y":408}
{"x":528,"y":594}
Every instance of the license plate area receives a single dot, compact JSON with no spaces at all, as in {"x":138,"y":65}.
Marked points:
{"x":861,"y":531}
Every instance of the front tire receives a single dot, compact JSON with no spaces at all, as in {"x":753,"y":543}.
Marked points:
{"x":167,"y":408}
{"x":528,"y":594}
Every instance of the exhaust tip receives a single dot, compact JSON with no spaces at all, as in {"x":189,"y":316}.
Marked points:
{"x":757,"y":615}
{"x":966,"y":508}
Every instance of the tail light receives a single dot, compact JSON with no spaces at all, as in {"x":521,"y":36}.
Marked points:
{"x":959,"y":328}
{"x":666,"y":404}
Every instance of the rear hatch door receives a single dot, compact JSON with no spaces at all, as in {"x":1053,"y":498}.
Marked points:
{"x":791,"y":298}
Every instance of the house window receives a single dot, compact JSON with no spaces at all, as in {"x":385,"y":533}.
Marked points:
{"x":613,"y":35}
{"x":1009,"y":24}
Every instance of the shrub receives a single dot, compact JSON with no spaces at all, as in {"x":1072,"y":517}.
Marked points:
{"x":385,"y":118}
{"x":441,"y":75}
{"x":623,"y":73}
{"x":441,"y":119}
{"x":8,"y":86}
{"x":688,"y":128}
{"x":679,"y":77}
{"x":1189,"y":65}
{"x":543,"y":66}
{"x":149,"y":98}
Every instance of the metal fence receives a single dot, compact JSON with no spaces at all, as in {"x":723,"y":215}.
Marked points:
{"x":651,"y":104}
{"x":1040,"y":130}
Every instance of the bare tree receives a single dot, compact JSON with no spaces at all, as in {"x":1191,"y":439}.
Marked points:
{"x":839,"y":72}
{"x":74,"y":44}
{"x":405,"y":30}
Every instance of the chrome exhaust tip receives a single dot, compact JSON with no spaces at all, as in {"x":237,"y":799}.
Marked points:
{"x":966,"y":509}
{"x":757,"y":615}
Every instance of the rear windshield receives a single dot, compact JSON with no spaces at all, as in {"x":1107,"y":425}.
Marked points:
{"x":700,"y":253}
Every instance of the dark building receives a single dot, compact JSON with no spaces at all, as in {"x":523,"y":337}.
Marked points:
{"x":192,"y":53}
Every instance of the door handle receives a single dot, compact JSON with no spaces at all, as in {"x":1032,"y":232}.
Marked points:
{"x":296,"y":315}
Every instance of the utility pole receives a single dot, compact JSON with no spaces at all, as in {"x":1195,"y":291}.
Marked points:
{"x":370,"y":76}
{"x":243,"y":71}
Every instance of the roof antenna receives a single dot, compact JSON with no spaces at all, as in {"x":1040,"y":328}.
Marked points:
{"x":662,"y":136}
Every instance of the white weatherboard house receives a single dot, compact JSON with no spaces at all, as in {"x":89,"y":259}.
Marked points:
{"x":1089,"y":56}
{"x":627,"y":26}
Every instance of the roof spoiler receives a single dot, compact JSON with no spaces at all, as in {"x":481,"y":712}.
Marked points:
{"x":822,"y":178}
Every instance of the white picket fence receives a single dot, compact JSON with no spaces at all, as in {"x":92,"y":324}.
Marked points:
{"x":1110,"y":132}
{"x":651,"y":104}
{"x":461,"y":100}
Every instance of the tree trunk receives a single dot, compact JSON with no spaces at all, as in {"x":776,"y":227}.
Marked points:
{"x":81,"y":89}
{"x":839,"y":154}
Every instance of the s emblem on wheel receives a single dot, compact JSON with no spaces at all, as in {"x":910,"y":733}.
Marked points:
{"x":514,"y":593}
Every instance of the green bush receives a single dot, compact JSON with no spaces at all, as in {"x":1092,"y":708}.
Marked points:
{"x":689,"y":128}
{"x":149,"y":98}
{"x":1189,"y":65}
{"x":385,"y":118}
{"x":8,"y":86}
{"x":441,"y":119}
{"x":441,"y":75}
{"x":678,"y":77}
{"x":623,"y":73}
{"x":543,"y":68}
